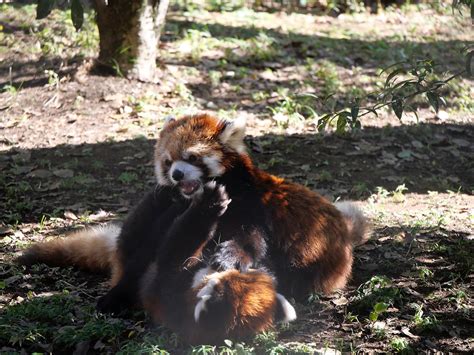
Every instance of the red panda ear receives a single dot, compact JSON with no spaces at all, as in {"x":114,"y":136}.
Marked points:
{"x":168,"y":120}
{"x":233,"y":133}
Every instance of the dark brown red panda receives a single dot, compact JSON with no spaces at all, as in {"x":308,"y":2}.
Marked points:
{"x":284,"y":230}
{"x":161,"y":268}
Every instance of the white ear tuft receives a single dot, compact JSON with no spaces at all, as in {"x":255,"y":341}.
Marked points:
{"x":233,"y":134}
{"x":168,"y":119}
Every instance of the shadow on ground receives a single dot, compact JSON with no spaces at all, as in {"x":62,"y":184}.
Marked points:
{"x":113,"y":175}
{"x":346,"y":52}
{"x":403,"y":267}
{"x":290,"y":49}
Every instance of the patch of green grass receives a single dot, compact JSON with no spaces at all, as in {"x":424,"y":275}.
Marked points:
{"x":398,"y":193}
{"x":425,"y":274}
{"x":262,"y":47}
{"x":59,"y":39}
{"x":401,"y":346}
{"x":97,"y":164}
{"x":80,"y":180}
{"x":55,"y":35}
{"x":15,"y":205}
{"x":98,"y":327}
{"x":459,"y":298}
{"x":34,"y":320}
{"x":128,"y":177}
{"x":293,"y":109}
{"x":360,"y":189}
{"x":224,"y":5}
{"x":152,"y":343}
{"x":378,"y":309}
{"x":195,"y":42}
{"x":230,"y":348}
{"x":422,"y":322}
{"x":460,"y":253}
{"x":328,"y":78}
{"x":11,"y":89}
{"x":62,"y":320}
{"x":374,"y":297}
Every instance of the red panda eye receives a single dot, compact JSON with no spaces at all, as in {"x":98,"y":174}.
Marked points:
{"x":168,"y":162}
{"x":192,"y":158}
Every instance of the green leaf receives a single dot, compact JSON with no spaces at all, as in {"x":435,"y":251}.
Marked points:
{"x":380,"y":307}
{"x":323,"y":121}
{"x":373,"y":316}
{"x":393,"y":74}
{"x":392,"y":65}
{"x":433,"y":100}
{"x":77,"y":14}
{"x":44,"y":8}
{"x":341,"y":123}
{"x":397,"y":107}
{"x":404,"y":83}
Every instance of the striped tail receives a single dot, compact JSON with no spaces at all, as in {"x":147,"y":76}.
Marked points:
{"x":92,"y":249}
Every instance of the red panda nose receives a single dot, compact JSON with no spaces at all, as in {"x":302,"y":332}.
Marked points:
{"x":177,"y":175}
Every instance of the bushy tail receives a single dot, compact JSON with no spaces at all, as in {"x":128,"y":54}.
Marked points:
{"x":357,"y":223}
{"x":93,"y":249}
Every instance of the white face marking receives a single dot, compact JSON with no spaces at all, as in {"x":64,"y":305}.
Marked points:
{"x":159,"y":174}
{"x":162,"y":180}
{"x":190,"y":171}
{"x":213,"y":162}
{"x":288,"y":310}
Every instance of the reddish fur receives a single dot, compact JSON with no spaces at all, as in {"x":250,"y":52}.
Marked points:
{"x":200,"y":129}
{"x":308,"y":229}
{"x":250,"y":306}
{"x":82,"y":249}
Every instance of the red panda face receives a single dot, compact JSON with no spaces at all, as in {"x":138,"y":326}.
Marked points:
{"x":195,"y":149}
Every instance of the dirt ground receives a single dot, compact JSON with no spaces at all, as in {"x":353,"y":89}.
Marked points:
{"x":76,"y":150}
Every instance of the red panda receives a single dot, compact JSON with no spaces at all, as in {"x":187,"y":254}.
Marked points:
{"x":302,"y":237}
{"x":213,"y":249}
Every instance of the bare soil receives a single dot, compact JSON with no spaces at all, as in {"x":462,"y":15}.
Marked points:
{"x":76,"y":149}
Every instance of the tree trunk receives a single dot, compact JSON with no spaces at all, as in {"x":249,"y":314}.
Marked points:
{"x":129,"y":32}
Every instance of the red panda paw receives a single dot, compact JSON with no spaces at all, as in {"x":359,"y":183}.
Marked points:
{"x":215,"y":198}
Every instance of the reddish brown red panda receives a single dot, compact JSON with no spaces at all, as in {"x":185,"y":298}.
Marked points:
{"x":220,"y":237}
